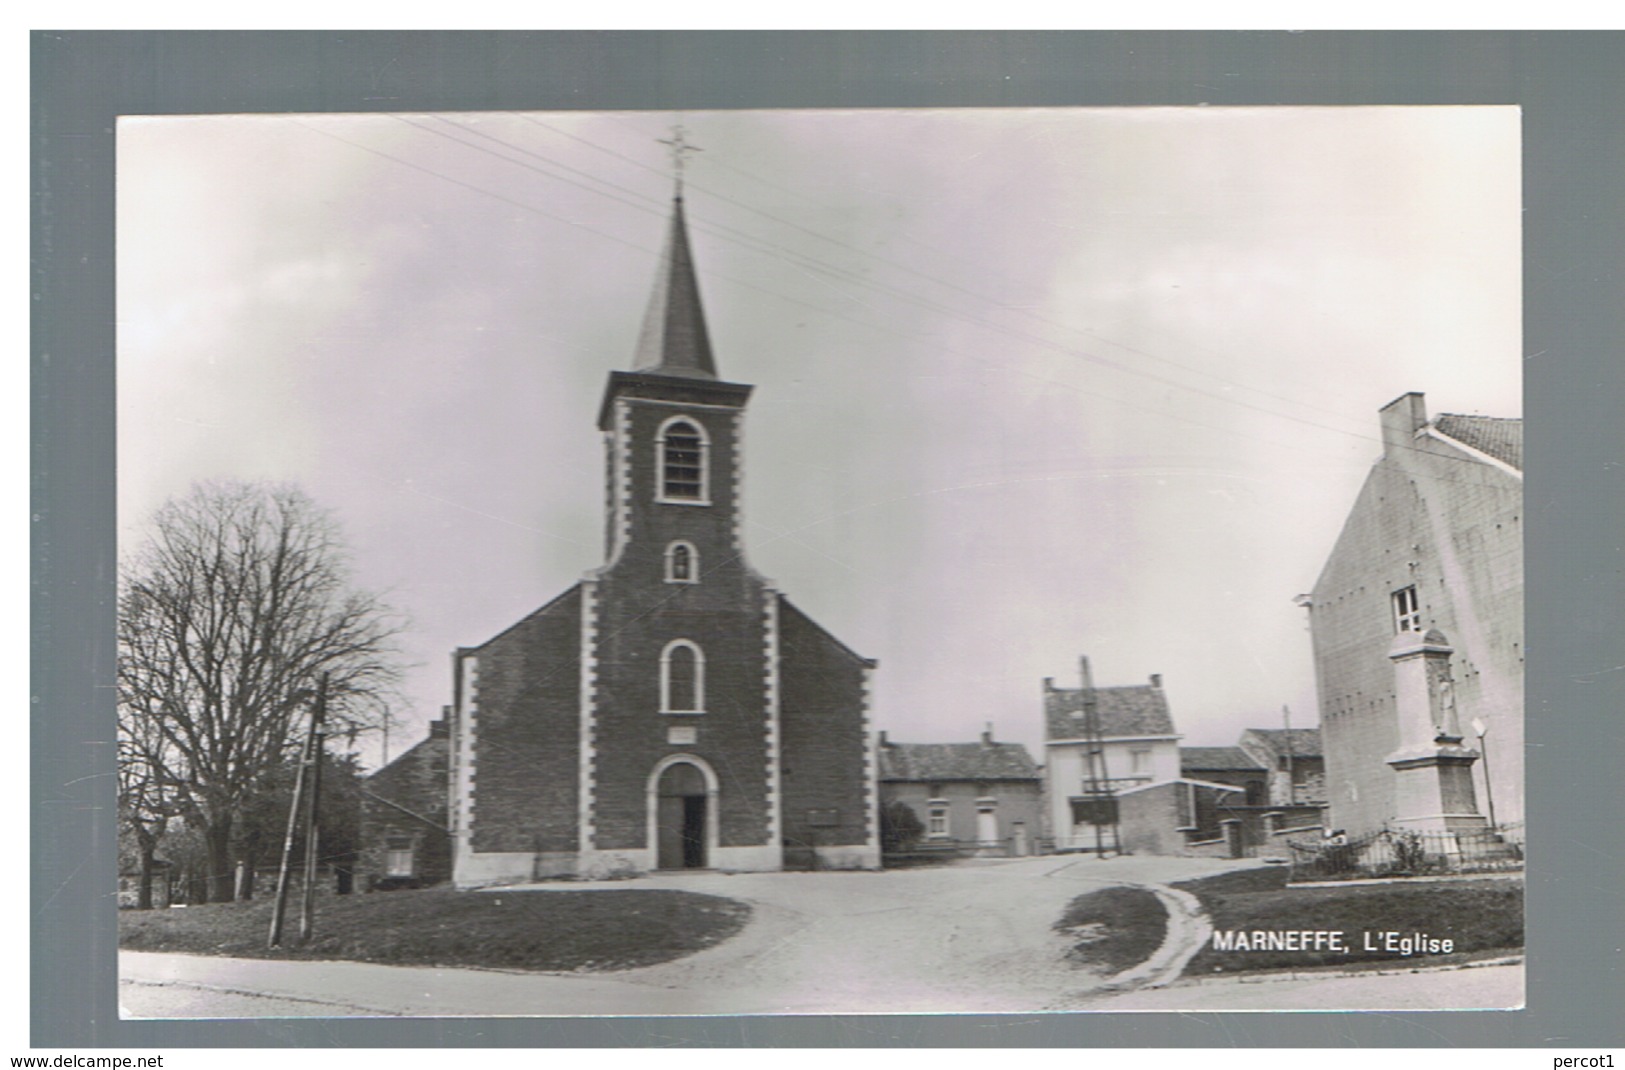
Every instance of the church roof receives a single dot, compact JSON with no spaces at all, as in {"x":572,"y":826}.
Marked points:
{"x":956,"y":761}
{"x":1500,"y":437}
{"x":674,"y":340}
{"x":1139,"y":710}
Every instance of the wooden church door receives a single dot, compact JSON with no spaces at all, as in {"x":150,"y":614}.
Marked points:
{"x":680,"y":818}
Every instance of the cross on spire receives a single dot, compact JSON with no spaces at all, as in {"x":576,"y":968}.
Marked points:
{"x":679,"y":150}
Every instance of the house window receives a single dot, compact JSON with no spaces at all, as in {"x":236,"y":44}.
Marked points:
{"x":937,"y":823}
{"x":1407,"y":610}
{"x":1140,"y":760}
{"x":682,"y":563}
{"x":683,"y":450}
{"x":398,"y":857}
{"x":1094,"y":810}
{"x":682,"y":678}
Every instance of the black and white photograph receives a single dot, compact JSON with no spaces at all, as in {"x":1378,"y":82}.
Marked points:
{"x":806,"y":562}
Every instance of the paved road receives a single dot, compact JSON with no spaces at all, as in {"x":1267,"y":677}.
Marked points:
{"x":972,"y":937}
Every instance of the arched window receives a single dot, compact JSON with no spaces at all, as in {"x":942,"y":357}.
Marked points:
{"x":682,"y":458}
{"x":682,"y":563}
{"x":682,"y":678}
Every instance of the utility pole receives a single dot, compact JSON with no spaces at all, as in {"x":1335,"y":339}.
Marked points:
{"x":1482,"y":730}
{"x":1098,"y":781}
{"x":1291,"y":778}
{"x":280,"y":907}
{"x":313,"y":830}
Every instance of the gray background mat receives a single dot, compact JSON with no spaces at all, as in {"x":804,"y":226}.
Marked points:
{"x":1573,"y":98}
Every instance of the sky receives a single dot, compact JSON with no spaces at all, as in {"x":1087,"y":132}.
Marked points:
{"x":1031,"y":384}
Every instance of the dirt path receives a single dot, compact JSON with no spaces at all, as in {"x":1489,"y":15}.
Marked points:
{"x":971,"y":937}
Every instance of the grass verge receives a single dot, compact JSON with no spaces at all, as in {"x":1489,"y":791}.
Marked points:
{"x":1477,"y":915}
{"x":1114,"y":928}
{"x":602,"y":929}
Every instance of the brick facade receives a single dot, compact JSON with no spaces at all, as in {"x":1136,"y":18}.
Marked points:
{"x":405,"y":841}
{"x":825,"y":754}
{"x":673,"y":709}
{"x":526,"y":694}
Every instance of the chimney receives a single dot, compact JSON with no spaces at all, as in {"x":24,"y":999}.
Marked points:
{"x":1156,"y":680}
{"x":987,"y":735}
{"x":1088,"y":678}
{"x":1401,"y":419}
{"x":1049,"y":684}
{"x":883,"y":742}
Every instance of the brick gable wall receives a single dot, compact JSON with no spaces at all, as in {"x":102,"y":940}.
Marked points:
{"x":824,"y":737}
{"x":527,"y":733}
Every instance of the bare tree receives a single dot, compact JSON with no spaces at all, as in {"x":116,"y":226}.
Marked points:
{"x":147,"y":800}
{"x":228,"y":615}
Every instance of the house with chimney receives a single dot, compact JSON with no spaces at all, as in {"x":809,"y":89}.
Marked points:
{"x":404,"y":839}
{"x":983,"y":799}
{"x":1100,"y":742}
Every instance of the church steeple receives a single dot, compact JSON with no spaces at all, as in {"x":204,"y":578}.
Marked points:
{"x":674,"y":340}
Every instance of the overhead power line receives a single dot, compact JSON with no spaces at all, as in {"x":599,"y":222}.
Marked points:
{"x":643,"y":203}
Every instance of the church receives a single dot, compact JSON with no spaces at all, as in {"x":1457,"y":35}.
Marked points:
{"x":672,"y":710}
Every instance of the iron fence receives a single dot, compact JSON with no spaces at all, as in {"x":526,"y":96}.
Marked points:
{"x":1391,"y":852}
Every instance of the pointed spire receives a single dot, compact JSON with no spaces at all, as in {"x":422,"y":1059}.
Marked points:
{"x":674,"y":340}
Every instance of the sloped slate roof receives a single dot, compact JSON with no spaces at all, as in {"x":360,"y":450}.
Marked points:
{"x":956,"y":761}
{"x":1500,"y":437}
{"x":1191,"y":758}
{"x":1305,"y":741}
{"x":674,"y":340}
{"x":1140,"y":710}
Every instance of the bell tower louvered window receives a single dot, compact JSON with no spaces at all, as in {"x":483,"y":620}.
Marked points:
{"x":683,"y":456}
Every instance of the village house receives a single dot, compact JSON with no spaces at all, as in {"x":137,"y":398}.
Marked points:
{"x":1131,"y":730}
{"x":404,"y":809}
{"x":1292,"y":757}
{"x":982,"y":798}
{"x":1228,"y":765}
{"x":673,"y":709}
{"x":1417,"y":625}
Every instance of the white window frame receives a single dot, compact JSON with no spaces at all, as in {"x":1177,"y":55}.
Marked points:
{"x":393,"y":861}
{"x":665,"y":676}
{"x":1407,"y":607}
{"x":936,"y":823}
{"x":693,"y":562}
{"x":704,"y":497}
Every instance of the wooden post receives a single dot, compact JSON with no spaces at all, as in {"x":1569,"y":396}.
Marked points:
{"x":281,"y":905}
{"x":313,"y":831}
{"x":1291,"y":773}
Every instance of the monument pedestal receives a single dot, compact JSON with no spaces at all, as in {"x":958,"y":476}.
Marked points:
{"x":1433,"y":771}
